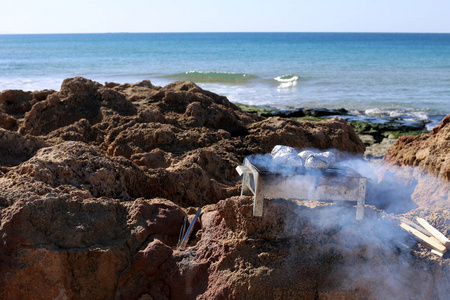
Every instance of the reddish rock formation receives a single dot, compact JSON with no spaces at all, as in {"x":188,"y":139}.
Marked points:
{"x":7,"y":121}
{"x":15,"y":148}
{"x":104,"y":249}
{"x":15,"y":103}
{"x":96,"y":180}
{"x":77,"y":248}
{"x":429,"y":154}
{"x":177,"y":134}
{"x":330,"y":134}
{"x":78,"y":98}
{"x":306,"y":251}
{"x":428,"y":151}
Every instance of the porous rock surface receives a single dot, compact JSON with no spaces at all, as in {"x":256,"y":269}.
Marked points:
{"x":428,"y":157}
{"x":95,"y":181}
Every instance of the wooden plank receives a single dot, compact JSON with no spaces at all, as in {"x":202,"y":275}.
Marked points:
{"x":440,"y":254}
{"x":426,"y":239}
{"x":415,"y":226}
{"x":434,"y":232}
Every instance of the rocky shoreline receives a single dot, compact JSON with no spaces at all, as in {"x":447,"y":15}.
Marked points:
{"x":378,"y":134}
{"x":97,"y":179}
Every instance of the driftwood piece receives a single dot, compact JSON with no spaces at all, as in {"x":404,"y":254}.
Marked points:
{"x":434,"y":232}
{"x":431,"y":242}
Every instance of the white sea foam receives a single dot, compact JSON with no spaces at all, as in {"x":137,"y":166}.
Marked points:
{"x":30,"y":84}
{"x":422,"y":115}
{"x":395,"y":113}
{"x":377,"y":112}
{"x":210,"y":73}
{"x":287,"y":80}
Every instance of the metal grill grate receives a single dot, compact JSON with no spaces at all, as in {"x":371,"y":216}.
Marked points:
{"x":335,"y":184}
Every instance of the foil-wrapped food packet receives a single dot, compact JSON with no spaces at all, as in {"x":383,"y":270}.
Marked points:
{"x":286,"y":155}
{"x":305,"y":153}
{"x":321,"y":160}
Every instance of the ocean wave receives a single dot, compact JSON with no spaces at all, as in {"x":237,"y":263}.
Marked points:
{"x":214,"y":77}
{"x":420,"y":114}
{"x":287,"y":80}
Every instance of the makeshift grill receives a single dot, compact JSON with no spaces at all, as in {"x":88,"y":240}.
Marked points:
{"x":330,"y":184}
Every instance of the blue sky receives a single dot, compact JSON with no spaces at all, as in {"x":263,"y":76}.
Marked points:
{"x":82,"y":16}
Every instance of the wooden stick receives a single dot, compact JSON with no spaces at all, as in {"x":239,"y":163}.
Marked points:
{"x":434,"y":232}
{"x":415,"y":226}
{"x":426,"y":239}
{"x":440,"y":254}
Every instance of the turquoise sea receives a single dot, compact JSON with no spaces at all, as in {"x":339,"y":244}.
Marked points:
{"x":373,"y":74}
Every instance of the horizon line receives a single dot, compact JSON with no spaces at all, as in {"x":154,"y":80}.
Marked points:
{"x":197,"y":32}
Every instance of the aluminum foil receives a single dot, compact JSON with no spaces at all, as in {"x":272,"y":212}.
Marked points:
{"x":321,"y":160}
{"x":286,"y":155}
{"x":305,"y":153}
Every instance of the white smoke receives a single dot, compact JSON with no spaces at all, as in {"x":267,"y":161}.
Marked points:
{"x":375,"y":253}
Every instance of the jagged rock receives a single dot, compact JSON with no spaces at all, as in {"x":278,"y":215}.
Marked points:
{"x":301,"y":250}
{"x":15,"y":148}
{"x":139,"y":92}
{"x":7,"y":121}
{"x":428,"y":151}
{"x":85,"y":168}
{"x":15,"y":103}
{"x":79,"y":98}
{"x":81,"y":131}
{"x":18,"y":102}
{"x":154,"y":159}
{"x":202,"y":108}
{"x":104,"y":248}
{"x":78,"y":248}
{"x":77,"y":223}
{"x":305,"y":111}
{"x":330,"y":134}
{"x":428,"y":154}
